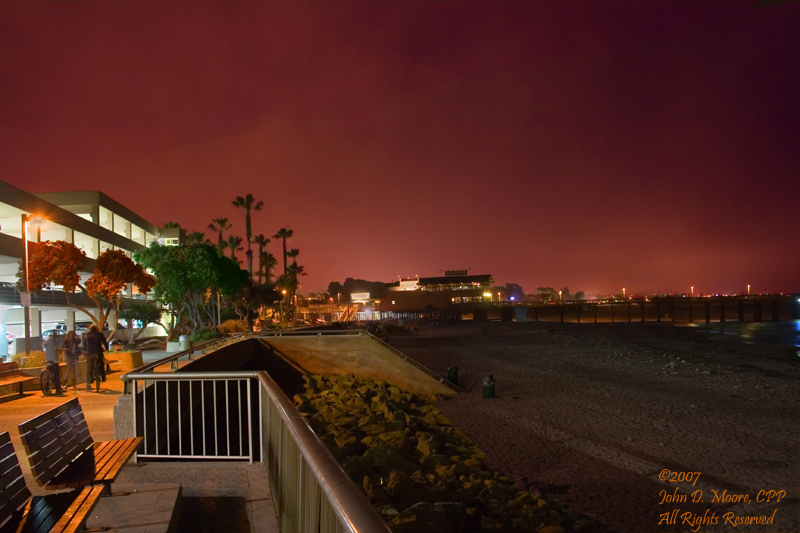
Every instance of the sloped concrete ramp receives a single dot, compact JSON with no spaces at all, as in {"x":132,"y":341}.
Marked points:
{"x":357,"y":353}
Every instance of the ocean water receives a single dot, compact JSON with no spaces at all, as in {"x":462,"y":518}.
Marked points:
{"x":786,"y":332}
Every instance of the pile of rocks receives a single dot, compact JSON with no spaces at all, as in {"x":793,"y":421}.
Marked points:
{"x":417,"y":469}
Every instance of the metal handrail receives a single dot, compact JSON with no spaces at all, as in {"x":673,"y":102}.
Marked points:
{"x":212,"y":344}
{"x":350,"y":505}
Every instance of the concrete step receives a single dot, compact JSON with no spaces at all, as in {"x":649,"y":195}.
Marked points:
{"x":138,"y":508}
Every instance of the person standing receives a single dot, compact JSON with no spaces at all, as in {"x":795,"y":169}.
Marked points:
{"x":95,"y":345}
{"x":73,"y":350}
{"x":51,"y":361}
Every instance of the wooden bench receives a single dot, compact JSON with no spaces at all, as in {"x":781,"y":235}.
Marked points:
{"x":19,"y":512}
{"x":10,"y":374}
{"x":63,"y":454}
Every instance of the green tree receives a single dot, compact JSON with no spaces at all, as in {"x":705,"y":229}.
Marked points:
{"x":547,"y":293}
{"x":514,"y":290}
{"x":146,"y":312}
{"x":220,"y":225}
{"x":196,"y":236}
{"x":248,"y":203}
{"x":284,"y":234}
{"x":189,"y":277}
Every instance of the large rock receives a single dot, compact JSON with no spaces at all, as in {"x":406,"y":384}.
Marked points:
{"x":419,"y":470}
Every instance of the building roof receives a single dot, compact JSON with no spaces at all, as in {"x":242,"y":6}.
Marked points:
{"x":449,"y":280}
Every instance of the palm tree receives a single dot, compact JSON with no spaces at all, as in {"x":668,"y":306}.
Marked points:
{"x":196,"y":236}
{"x":262,"y":242}
{"x":233,"y":243}
{"x":284,"y":234}
{"x":293,"y":253}
{"x":267,"y":262}
{"x":247,"y":203}
{"x":220,"y":225}
{"x":295,"y":270}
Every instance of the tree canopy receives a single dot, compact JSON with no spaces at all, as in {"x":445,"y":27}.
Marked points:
{"x":190,"y":276}
{"x":59,"y":263}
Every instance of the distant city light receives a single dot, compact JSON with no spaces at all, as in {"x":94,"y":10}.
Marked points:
{"x":513,"y":298}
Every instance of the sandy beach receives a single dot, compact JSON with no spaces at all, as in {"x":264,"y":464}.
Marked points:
{"x":592,"y":415}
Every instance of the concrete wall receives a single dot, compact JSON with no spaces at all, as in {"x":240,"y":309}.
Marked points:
{"x":359,"y":355}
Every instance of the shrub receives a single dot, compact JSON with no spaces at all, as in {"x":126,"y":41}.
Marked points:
{"x":204,"y":335}
{"x":34,"y":360}
{"x":232,"y":326}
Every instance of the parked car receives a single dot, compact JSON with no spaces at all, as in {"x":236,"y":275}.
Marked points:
{"x":59,"y":335}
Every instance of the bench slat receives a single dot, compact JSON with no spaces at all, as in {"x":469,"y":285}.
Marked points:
{"x":36,"y":421}
{"x":14,"y":491}
{"x":10,"y":375}
{"x":64,"y":512}
{"x":122,"y":453}
{"x":63,"y":454}
{"x":19,"y":378}
{"x":15,"y":501}
{"x":44,"y":427}
{"x":76,"y":515}
{"x":42,"y":513}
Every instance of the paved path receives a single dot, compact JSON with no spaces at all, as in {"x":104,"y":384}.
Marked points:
{"x":217,"y":496}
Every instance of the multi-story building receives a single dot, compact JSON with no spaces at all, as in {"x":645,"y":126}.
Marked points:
{"x":91,"y":220}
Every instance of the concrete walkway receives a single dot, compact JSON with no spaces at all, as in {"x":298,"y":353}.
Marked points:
{"x":217,"y":496}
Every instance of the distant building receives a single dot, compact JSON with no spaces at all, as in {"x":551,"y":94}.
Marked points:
{"x":455,"y":286}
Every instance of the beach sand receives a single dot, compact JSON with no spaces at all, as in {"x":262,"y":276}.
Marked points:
{"x":590,"y":415}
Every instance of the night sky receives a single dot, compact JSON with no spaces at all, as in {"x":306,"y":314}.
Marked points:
{"x":595,"y":145}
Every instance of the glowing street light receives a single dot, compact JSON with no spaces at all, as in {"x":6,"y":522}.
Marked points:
{"x":692,"y":291}
{"x":623,"y":293}
{"x":37,"y":222}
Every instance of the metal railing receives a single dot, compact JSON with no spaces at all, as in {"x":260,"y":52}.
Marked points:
{"x":189,"y":355}
{"x":195,"y":415}
{"x":200,"y":415}
{"x":310,"y":491}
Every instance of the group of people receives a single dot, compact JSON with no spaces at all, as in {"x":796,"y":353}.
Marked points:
{"x":93,"y":343}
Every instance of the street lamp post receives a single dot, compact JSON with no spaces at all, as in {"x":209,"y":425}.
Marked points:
{"x":26,"y":297}
{"x":282,"y":298}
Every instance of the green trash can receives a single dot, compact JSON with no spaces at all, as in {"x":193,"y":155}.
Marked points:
{"x":452,"y":375}
{"x":488,"y":387}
